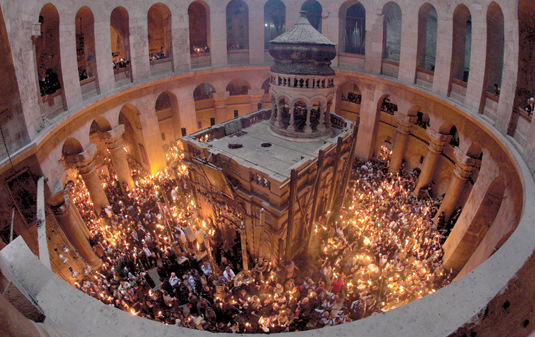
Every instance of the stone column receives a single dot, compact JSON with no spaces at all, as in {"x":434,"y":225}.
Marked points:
{"x":139,"y":48}
{"x":441,"y":79}
{"x":218,"y":36}
{"x":475,"y":89}
{"x":245,"y":257}
{"x":291,"y":126}
{"x":72,"y":93}
{"x":402,"y":136}
{"x":256,"y":97}
{"x":463,"y":168}
{"x":85,"y":164}
{"x":220,"y":101}
{"x":374,"y":41}
{"x":256,"y":32}
{"x":308,"y":128}
{"x":321,"y":125}
{"x":280,"y":111}
{"x":409,"y":47}
{"x":181,"y":43}
{"x":114,"y":143}
{"x":70,"y":225}
{"x":14,"y":323}
{"x":106,"y":77}
{"x":436,"y":144}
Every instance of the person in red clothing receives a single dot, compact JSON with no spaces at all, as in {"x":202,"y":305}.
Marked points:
{"x":338,"y":283}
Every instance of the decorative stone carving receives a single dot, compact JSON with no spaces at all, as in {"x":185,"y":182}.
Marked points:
{"x":464,"y":164}
{"x":437,"y":140}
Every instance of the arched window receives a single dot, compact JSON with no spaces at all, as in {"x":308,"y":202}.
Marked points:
{"x":353,"y":28}
{"x":391,"y":32}
{"x":168,"y":115}
{"x":526,"y":66}
{"x":203,"y":91}
{"x":47,"y":51}
{"x":160,"y":35}
{"x":85,"y":49}
{"x":427,"y":37}
{"x":462,"y":42}
{"x":120,"y":43}
{"x":313,"y":11}
{"x":274,"y":20}
{"x":454,"y":141}
{"x":495,"y":51}
{"x":198,"y":28}
{"x":238,"y":87}
{"x":237,"y":25}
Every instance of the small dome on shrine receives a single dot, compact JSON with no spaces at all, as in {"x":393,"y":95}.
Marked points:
{"x":302,"y":50}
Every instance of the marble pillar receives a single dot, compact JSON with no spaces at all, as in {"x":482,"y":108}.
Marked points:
{"x":69,"y":222}
{"x":463,"y":169}
{"x":114,"y":143}
{"x":402,"y":137}
{"x":434,"y":150}
{"x":85,"y":164}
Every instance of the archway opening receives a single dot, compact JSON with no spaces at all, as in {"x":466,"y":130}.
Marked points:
{"x":48,"y":57}
{"x":348,"y":100}
{"x":427,"y":37}
{"x":353,"y":29}
{"x":168,"y":116}
{"x":203,"y":95}
{"x":133,"y":135}
{"x":238,"y":32}
{"x":238,"y":87}
{"x":120,"y":44}
{"x":160,"y":39}
{"x":85,"y":52}
{"x":199,"y":34}
{"x":313,"y":11}
{"x":462,"y":42}
{"x":494,"y":60}
{"x":274,"y":20}
{"x":391,"y":39}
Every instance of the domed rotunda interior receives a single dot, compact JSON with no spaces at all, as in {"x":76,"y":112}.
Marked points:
{"x":307,"y":167}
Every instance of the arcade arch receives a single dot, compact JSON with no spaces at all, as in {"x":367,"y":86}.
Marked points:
{"x":85,"y":51}
{"x":120,"y":44}
{"x":48,"y":57}
{"x":352,"y":28}
{"x":199,"y":34}
{"x":160,"y":38}
{"x":274,"y":20}
{"x":313,"y":11}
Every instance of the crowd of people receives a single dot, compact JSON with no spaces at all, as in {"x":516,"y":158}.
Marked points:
{"x":160,"y":261}
{"x":121,"y":63}
{"x":48,"y":81}
{"x":235,"y":46}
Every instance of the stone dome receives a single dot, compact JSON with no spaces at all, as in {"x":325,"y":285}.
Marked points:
{"x":302,"y":50}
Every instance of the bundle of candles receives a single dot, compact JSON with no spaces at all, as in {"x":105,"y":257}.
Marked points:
{"x":162,"y":262}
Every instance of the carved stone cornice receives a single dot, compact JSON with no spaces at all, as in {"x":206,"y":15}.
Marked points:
{"x":464,"y":164}
{"x":59,"y":203}
{"x":114,"y":137}
{"x":404,"y":123}
{"x":84,"y":162}
{"x":437,"y":140}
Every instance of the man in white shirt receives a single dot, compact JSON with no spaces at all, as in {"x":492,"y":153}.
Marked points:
{"x":229,"y":274}
{"x":173,"y":280}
